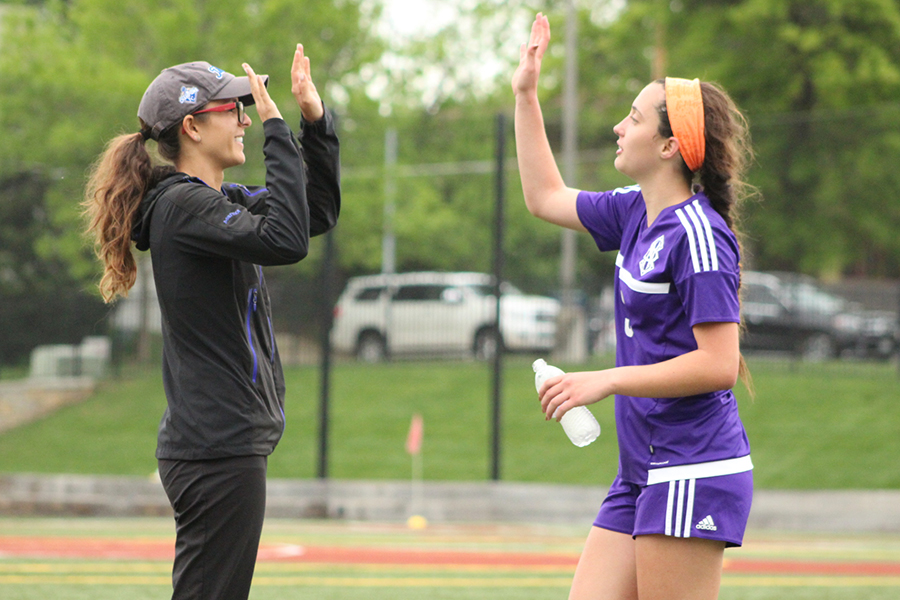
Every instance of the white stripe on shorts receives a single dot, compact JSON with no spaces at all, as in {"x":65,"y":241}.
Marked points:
{"x":716,"y":468}
{"x":683,"y":508}
{"x":669,"y":505}
{"x":689,"y":510}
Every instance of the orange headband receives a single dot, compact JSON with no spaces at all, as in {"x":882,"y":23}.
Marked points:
{"x":684,"y":104}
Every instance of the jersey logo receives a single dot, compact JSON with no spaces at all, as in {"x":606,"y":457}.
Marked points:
{"x":707,"y":523}
{"x":700,"y":237}
{"x":188,"y":95}
{"x":648,"y":263}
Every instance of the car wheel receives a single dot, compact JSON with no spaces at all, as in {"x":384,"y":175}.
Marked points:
{"x":486,"y":344}
{"x":371,"y":348}
{"x":817,"y":347}
{"x":885,"y":347}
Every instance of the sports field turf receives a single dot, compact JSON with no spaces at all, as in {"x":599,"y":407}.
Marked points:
{"x":811,"y":426}
{"x":106,"y":559}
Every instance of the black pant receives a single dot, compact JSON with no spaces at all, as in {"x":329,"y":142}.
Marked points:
{"x":219,"y":508}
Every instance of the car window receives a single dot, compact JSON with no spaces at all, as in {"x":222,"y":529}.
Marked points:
{"x":420,"y":292}
{"x":482,"y":290}
{"x":757,"y":293}
{"x":811,"y":298}
{"x":506,"y":288}
{"x":369,"y":294}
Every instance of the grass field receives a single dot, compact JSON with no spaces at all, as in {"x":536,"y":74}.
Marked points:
{"x":377,"y":561}
{"x":811,"y":426}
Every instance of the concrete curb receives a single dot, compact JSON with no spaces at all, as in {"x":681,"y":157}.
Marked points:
{"x":109,"y":496}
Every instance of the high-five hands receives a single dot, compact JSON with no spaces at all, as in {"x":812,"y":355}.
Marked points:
{"x":525,"y":79}
{"x":304,"y":89}
{"x":265,"y":106}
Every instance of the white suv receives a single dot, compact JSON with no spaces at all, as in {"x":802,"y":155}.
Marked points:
{"x":430,"y":313}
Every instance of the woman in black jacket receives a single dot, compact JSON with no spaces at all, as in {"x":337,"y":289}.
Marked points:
{"x":209,"y":241}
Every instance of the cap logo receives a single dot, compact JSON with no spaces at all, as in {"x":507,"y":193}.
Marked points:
{"x":188,"y":95}
{"x":219,"y":73}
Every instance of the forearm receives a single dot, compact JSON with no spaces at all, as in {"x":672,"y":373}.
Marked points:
{"x":286,"y":225}
{"x":537,"y":166}
{"x":321,"y":152}
{"x":696,"y":372}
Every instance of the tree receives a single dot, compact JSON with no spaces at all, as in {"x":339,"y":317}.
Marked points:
{"x":818,"y":80}
{"x":74,"y":72}
{"x":41,"y":302}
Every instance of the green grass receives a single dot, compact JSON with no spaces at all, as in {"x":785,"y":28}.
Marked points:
{"x":810,"y":426}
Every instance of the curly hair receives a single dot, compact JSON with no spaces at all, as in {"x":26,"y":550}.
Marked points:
{"x":117,"y":183}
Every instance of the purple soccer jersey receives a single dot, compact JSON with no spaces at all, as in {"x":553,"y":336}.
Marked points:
{"x":679,"y":272}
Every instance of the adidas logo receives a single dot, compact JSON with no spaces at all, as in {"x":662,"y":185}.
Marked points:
{"x":707,"y":523}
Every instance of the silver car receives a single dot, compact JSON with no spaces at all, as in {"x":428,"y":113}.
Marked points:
{"x":433,"y":313}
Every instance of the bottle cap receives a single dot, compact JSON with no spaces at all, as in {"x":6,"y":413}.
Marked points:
{"x":538,"y":365}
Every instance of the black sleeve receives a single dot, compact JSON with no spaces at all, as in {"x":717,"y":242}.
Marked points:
{"x":202,"y":220}
{"x":320,"y":150}
{"x":321,"y":153}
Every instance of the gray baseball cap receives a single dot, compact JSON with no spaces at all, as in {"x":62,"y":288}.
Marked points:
{"x":180,"y":90}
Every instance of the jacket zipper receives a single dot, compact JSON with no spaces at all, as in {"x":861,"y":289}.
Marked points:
{"x":251,"y":308}
{"x":271,"y":329}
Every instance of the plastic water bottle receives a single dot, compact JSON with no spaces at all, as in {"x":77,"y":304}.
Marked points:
{"x":579,"y":423}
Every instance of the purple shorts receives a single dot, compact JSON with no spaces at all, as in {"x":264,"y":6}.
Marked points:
{"x":713,"y":508}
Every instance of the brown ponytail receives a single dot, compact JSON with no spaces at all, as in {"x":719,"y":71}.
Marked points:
{"x":728,"y":156}
{"x":118,"y":182}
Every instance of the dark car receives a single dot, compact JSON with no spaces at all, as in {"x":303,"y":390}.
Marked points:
{"x":790,"y":313}
{"x":877,"y":337}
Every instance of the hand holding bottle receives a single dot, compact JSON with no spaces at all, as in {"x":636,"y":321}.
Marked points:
{"x":578,"y":423}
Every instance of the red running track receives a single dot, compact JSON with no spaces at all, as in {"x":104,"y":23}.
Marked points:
{"x":163,"y":550}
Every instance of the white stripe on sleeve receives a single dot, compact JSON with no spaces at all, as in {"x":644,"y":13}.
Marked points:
{"x":701,"y":239}
{"x":713,"y":255}
{"x":690,"y":236}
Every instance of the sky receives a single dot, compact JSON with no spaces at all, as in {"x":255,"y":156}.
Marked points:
{"x":470,"y":66}
{"x":408,"y":17}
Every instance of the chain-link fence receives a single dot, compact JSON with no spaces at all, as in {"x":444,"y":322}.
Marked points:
{"x":410,"y":273}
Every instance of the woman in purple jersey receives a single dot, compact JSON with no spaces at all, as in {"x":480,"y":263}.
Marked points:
{"x":684,"y":486}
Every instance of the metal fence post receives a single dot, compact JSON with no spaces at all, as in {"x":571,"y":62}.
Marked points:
{"x":498,"y":280}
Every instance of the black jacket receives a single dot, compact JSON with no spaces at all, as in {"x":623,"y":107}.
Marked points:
{"x":221,"y":371}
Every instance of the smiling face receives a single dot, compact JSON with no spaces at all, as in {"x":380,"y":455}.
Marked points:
{"x":221,"y":135}
{"x":640,"y":146}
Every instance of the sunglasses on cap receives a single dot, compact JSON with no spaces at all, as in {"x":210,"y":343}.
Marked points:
{"x":225,"y":108}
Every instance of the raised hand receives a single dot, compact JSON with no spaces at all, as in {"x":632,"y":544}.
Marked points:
{"x":525,"y":79}
{"x":265,"y":106}
{"x":304,"y":89}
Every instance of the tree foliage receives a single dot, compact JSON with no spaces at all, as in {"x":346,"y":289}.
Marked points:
{"x":74,"y":72}
{"x":818,"y":80}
